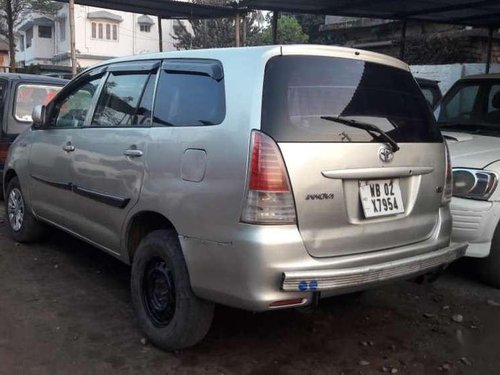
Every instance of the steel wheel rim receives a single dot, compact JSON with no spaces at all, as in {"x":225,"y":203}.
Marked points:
{"x":15,"y":209}
{"x":158,"y":292}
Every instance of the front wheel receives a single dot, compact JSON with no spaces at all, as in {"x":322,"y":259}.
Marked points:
{"x":168,"y":312}
{"x":22,"y":225}
{"x":489,"y":267}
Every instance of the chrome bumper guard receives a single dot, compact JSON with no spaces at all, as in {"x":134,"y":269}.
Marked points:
{"x":318,"y":280}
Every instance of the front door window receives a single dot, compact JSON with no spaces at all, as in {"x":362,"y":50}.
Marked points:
{"x":74,"y":108}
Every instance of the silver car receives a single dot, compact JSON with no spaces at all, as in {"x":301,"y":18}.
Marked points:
{"x":260,"y":178}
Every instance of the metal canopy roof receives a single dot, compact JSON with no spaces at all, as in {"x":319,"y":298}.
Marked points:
{"x":163,"y":8}
{"x":481,"y":13}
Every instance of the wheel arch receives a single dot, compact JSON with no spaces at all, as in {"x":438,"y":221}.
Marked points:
{"x":141,"y":224}
{"x":8,"y":175}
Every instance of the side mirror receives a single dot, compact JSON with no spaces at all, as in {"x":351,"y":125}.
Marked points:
{"x":39,"y":116}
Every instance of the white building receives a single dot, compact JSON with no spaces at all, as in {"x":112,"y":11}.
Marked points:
{"x":101,"y":34}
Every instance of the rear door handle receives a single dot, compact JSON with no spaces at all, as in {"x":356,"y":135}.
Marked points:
{"x":133,"y":153}
{"x":69,"y":147}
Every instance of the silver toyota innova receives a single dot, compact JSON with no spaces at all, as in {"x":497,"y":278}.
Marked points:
{"x":259,"y":178}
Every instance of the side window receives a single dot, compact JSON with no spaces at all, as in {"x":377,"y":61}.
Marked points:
{"x":189,"y":98}
{"x":460,"y":105}
{"x":74,"y":108}
{"x":3,"y":87}
{"x":145,"y":110}
{"x":124,"y":100}
{"x":28,"y":96}
{"x":494,"y":99}
{"x":429,"y":96}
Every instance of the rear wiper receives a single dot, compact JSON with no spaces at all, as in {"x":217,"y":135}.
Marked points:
{"x":370,"y":128}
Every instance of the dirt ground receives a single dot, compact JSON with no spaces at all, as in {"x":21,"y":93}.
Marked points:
{"x":65,"y":309}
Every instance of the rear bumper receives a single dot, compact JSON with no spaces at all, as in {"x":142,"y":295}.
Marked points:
{"x":341,"y":279}
{"x":263,"y":265}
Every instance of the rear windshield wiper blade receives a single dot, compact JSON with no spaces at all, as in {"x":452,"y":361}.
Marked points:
{"x":370,"y":128}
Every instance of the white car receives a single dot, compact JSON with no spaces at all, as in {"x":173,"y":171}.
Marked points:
{"x":469,"y":116}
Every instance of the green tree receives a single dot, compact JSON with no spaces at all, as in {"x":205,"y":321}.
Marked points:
{"x":12,"y":12}
{"x":311,"y":24}
{"x":439,"y":50}
{"x":216,"y":33}
{"x":289,"y":32}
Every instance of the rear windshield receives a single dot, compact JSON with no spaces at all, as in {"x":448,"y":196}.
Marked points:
{"x":299,"y":90}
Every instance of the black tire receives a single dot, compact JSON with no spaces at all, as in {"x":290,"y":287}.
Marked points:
{"x":170,"y":315}
{"x":489,"y":268}
{"x":27,"y":228}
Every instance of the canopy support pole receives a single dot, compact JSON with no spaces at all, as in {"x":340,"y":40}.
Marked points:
{"x":490,"y":47}
{"x":244,"y":30}
{"x":403,"y":41}
{"x":275,"y":26}
{"x":72,"y":37}
{"x":160,"y":33}
{"x":237,"y":29}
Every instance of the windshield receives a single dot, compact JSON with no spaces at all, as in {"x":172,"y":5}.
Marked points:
{"x":28,"y":96}
{"x":471,"y":105}
{"x":300,"y":91}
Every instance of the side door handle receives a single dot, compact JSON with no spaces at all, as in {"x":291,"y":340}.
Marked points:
{"x":68,"y":147}
{"x":133,"y":153}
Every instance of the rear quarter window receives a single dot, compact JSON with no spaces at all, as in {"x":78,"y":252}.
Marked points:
{"x":189,"y":99}
{"x":300,"y":90}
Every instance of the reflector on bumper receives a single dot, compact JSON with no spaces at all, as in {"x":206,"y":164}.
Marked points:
{"x":317,"y":280}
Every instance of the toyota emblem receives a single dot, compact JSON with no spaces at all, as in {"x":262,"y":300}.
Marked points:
{"x":385,"y":154}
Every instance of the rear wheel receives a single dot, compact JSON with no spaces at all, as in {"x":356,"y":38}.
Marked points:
{"x":489,"y":268}
{"x":22,"y":225}
{"x":168,"y":312}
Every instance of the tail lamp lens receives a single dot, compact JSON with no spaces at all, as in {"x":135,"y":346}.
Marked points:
{"x":448,"y":186}
{"x":269,"y":198}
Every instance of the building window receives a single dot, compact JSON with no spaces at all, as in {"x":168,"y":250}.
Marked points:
{"x":145,"y":28}
{"x":29,"y":37}
{"x":62,"y":29}
{"x":45,"y":32}
{"x":104,"y":31}
{"x":21,"y":43}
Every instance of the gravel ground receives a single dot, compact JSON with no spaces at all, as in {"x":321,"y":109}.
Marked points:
{"x":65,"y":309}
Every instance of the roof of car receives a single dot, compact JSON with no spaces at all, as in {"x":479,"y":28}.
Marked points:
{"x":33,"y":77}
{"x":482,"y":76}
{"x":248,"y":53}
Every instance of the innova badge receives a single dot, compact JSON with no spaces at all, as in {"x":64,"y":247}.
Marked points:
{"x":385,"y":154}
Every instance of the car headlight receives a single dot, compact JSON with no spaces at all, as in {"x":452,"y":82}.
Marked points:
{"x":474,"y":183}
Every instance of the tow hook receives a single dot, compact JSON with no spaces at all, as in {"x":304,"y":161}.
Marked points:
{"x":315,"y":299}
{"x":430,"y":277}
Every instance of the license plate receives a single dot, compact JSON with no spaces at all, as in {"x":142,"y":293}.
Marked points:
{"x":381,"y":197}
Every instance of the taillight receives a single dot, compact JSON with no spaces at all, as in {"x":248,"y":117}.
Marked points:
{"x":269,"y":198}
{"x":4,"y":152}
{"x":448,"y":185}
